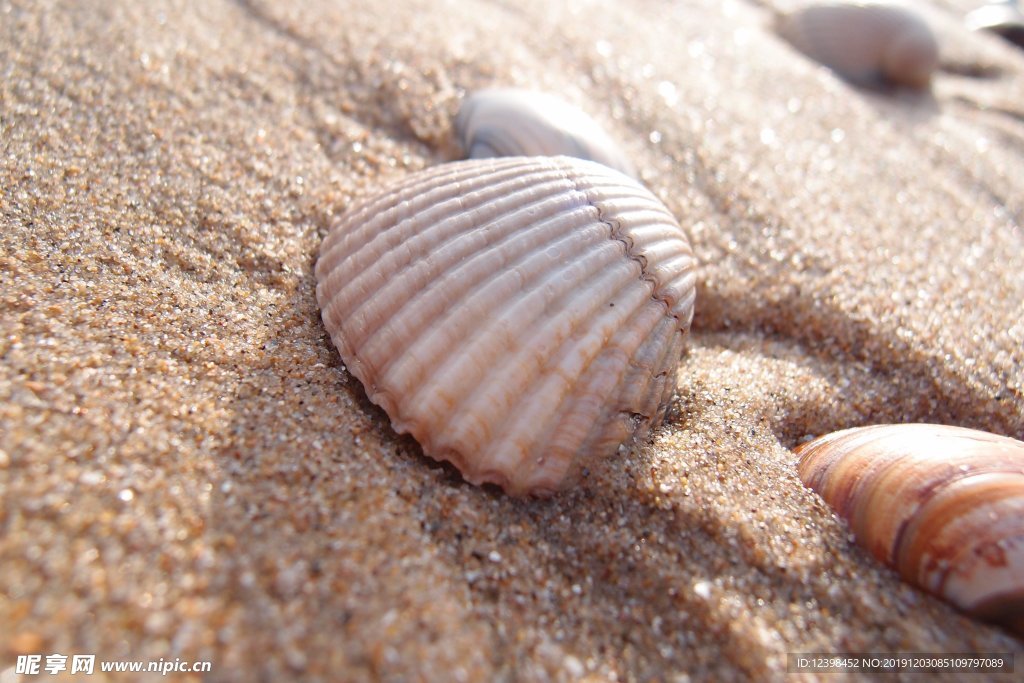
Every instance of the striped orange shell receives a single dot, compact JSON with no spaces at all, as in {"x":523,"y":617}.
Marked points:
{"x":518,"y":316}
{"x":943,"y":505}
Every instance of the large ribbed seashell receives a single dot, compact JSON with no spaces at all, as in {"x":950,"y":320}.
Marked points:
{"x":505,"y":122}
{"x":517,"y":316}
{"x":1003,"y":18}
{"x":866,"y":43}
{"x":943,"y":505}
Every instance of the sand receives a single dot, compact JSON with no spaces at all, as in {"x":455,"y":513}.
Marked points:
{"x":188,"y":471}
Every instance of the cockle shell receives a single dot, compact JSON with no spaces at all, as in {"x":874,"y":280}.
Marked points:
{"x":503,"y":122}
{"x":866,"y":43}
{"x":943,"y":505}
{"x":518,"y":316}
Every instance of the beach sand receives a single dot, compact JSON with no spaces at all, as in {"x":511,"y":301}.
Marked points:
{"x":188,"y":471}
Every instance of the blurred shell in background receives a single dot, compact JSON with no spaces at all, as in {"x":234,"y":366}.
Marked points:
{"x":520,"y":317}
{"x":866,"y":43}
{"x":502,"y":122}
{"x":942,"y":505}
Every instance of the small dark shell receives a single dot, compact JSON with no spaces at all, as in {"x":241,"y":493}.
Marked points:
{"x":1002,"y":18}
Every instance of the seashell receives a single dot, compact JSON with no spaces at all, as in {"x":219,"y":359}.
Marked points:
{"x":943,"y":505}
{"x":1002,"y":18}
{"x":518,"y":316}
{"x":866,"y":43}
{"x":503,"y":122}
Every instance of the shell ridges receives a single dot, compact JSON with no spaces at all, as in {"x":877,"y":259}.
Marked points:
{"x":507,"y":317}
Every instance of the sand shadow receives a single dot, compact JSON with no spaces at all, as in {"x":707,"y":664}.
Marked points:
{"x":902,"y":107}
{"x":816,"y":333}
